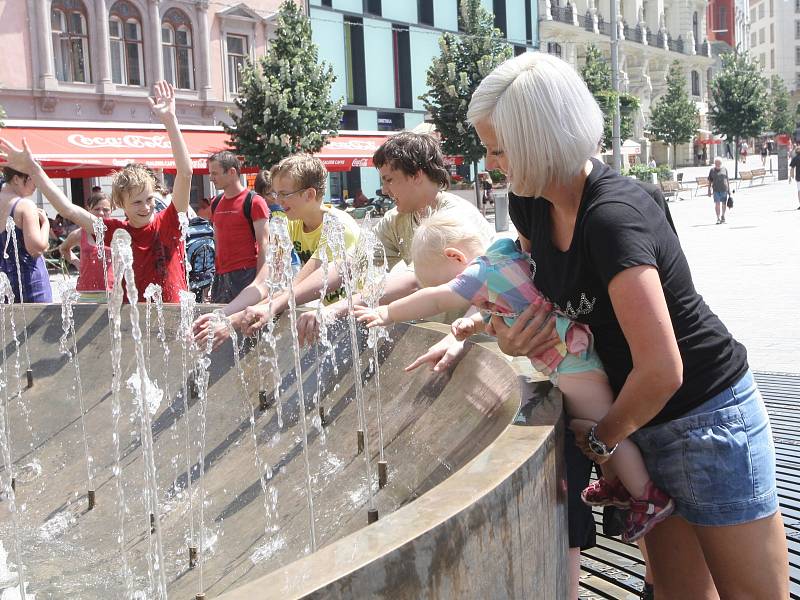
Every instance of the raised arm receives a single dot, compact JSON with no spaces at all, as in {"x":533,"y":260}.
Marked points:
{"x":22,"y":160}
{"x":163,"y":107}
{"x":35,"y":229}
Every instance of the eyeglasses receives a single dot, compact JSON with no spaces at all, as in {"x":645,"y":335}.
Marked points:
{"x":283,"y":195}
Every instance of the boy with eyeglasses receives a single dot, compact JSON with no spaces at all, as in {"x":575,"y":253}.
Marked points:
{"x":298,"y":186}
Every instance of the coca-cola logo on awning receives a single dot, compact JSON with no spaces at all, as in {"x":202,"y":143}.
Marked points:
{"x":135,"y":141}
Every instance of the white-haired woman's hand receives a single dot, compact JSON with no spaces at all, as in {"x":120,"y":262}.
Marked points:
{"x":531,"y":334}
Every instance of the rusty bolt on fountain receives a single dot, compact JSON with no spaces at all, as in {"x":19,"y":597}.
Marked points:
{"x":192,"y":557}
{"x":90,"y":496}
{"x":263,"y":400}
{"x":360,"y":440}
{"x":152,"y":523}
{"x":372,"y":515}
{"x":29,"y":375}
{"x":383,"y":475}
{"x":323,"y":418}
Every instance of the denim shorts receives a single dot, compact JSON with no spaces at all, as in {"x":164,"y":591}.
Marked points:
{"x":720,"y":196}
{"x":718,"y":460}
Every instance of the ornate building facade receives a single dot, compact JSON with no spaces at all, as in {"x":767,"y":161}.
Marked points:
{"x":652,"y":34}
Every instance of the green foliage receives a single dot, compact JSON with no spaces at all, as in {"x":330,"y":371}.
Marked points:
{"x":674,"y":118}
{"x":642,"y":172}
{"x":497,"y":176}
{"x":455,"y":74}
{"x":597,"y":75}
{"x":284,"y":100}
{"x":779,"y":118}
{"x":738,"y":98}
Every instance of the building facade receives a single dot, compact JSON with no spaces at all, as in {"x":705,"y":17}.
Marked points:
{"x":652,"y":34}
{"x":775,"y":40}
{"x":381,"y":50}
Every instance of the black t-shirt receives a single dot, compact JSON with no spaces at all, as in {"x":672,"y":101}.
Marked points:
{"x":618,"y":227}
{"x":796,"y":165}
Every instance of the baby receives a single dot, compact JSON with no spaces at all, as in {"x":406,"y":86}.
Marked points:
{"x":460,"y":268}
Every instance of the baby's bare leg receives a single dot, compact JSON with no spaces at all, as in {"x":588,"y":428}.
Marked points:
{"x":587,"y":395}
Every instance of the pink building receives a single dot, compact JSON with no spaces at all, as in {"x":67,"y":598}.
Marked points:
{"x":96,"y":60}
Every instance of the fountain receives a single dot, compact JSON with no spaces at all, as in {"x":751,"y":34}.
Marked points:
{"x":471,"y":503}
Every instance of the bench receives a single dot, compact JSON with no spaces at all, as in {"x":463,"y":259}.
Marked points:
{"x":673,"y":189}
{"x":751,"y":176}
{"x":702,"y":182}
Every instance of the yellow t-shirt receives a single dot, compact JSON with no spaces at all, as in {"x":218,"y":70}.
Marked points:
{"x":307,"y":244}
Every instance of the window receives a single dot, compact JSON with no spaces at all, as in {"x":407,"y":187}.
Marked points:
{"x":373,"y":7}
{"x":519,"y":50}
{"x":391,"y":121}
{"x":797,"y":55}
{"x":797,"y":30}
{"x":127,"y":55}
{"x":761,"y":11}
{"x":354,"y":61}
{"x":763,"y":60}
{"x":761,"y":36}
{"x":402,"y":67}
{"x":695,"y":83}
{"x":753,"y":13}
{"x":771,"y":8}
{"x":176,"y":38}
{"x":753,"y":39}
{"x":425,"y":12}
{"x":237,"y":48}
{"x":349,"y":120}
{"x":695,"y":28}
{"x":529,"y":23}
{"x":499,"y":9}
{"x":70,"y":40}
{"x":327,"y":3}
{"x":772,"y":33}
{"x":722,"y":18}
{"x":461,"y":21}
{"x":772,"y":58}
{"x":554,"y":48}
{"x":797,"y":6}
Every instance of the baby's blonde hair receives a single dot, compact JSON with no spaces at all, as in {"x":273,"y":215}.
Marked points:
{"x":450,"y":229}
{"x":130,"y":180}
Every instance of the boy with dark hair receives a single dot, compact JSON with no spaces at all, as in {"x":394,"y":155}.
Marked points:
{"x":241,"y":232}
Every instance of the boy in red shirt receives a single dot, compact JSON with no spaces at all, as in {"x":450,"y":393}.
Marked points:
{"x":241,"y":234}
{"x":157,"y":244}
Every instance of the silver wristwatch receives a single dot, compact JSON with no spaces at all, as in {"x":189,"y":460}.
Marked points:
{"x":597,"y":446}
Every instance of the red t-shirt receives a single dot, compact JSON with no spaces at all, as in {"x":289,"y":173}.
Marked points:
{"x":235,"y":244}
{"x":158,"y":253}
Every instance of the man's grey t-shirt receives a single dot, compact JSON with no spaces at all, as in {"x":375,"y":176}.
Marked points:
{"x":718,"y":179}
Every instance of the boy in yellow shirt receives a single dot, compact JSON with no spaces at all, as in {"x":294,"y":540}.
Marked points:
{"x":298,"y":185}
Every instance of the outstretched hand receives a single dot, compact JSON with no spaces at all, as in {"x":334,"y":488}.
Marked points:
{"x":18,"y":159}
{"x":441,"y":356}
{"x":373,"y":317}
{"x":163,"y":103}
{"x":462,"y":328}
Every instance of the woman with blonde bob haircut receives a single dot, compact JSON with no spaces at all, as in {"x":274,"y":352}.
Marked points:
{"x":606,"y":256}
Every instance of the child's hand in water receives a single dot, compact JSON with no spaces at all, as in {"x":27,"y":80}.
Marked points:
{"x":378,"y":317}
{"x":462,"y":328}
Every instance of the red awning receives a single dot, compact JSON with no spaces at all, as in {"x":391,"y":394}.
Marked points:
{"x":73,"y":152}
{"x":66,"y":151}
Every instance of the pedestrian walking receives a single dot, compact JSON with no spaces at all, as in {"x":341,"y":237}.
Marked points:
{"x":794,"y":172}
{"x":719,"y":184}
{"x":743,"y":151}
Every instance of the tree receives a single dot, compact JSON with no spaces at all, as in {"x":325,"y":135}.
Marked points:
{"x":779,"y":118}
{"x":284,"y":100}
{"x":738,"y":105}
{"x":597,"y":75}
{"x":674,"y":118}
{"x":455,"y":74}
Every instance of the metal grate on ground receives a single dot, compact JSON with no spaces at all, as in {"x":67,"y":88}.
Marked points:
{"x":614,"y":569}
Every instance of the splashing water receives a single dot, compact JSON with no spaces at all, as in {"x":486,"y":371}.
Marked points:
{"x":70,"y":350}
{"x":6,"y":300}
{"x":188,"y":349}
{"x":183,"y":221}
{"x":10,"y":235}
{"x":279,"y":228}
{"x":333,"y":231}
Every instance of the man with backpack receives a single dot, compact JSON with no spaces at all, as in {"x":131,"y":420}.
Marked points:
{"x":241,"y":234}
